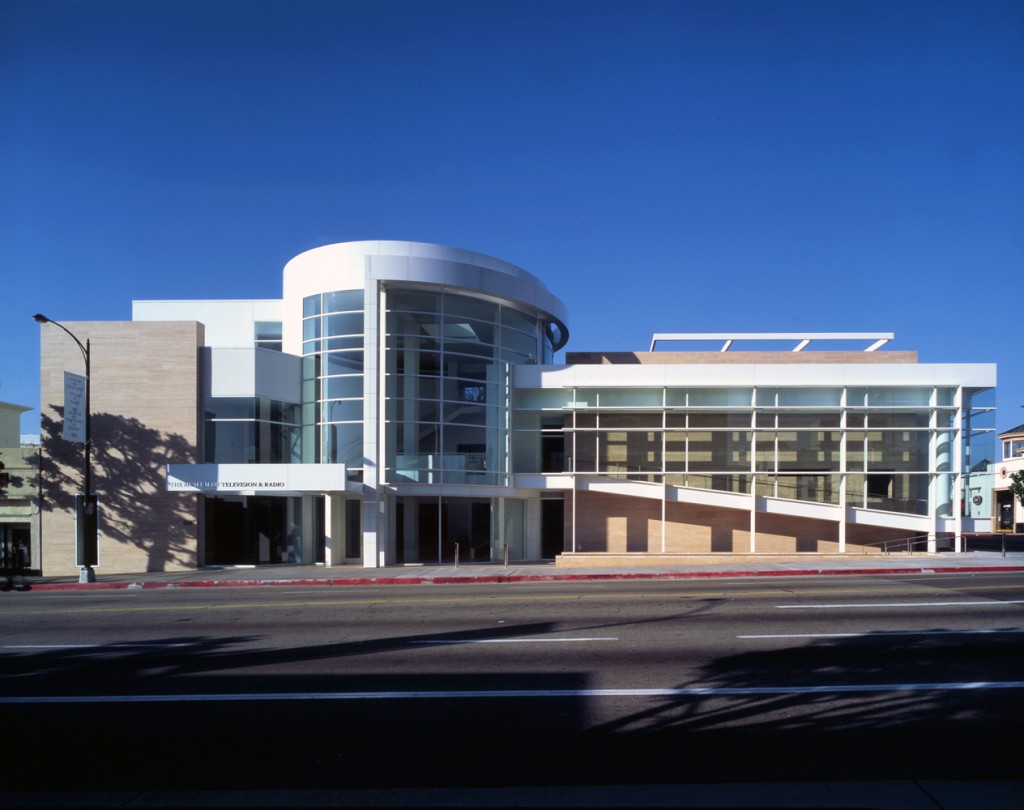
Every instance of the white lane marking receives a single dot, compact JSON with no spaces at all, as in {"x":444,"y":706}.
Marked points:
{"x":89,"y":646}
{"x":873,"y":633}
{"x":905,"y":604}
{"x":709,"y":691}
{"x":508,"y":640}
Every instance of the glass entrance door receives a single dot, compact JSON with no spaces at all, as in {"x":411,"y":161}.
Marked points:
{"x":253,"y":531}
{"x":552,"y":528}
{"x":467,"y":525}
{"x":429,"y":530}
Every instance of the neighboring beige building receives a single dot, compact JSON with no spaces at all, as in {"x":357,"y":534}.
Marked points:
{"x":1009,"y":513}
{"x":19,"y":505}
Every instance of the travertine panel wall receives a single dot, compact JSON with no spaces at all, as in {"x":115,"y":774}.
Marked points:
{"x":693,"y":529}
{"x":784,"y":534}
{"x":145,"y":414}
{"x":616,"y":523}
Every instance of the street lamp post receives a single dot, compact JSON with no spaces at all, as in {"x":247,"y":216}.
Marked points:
{"x":86,"y":513}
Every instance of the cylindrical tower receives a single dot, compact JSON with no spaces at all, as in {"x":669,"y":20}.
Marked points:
{"x":406,"y":348}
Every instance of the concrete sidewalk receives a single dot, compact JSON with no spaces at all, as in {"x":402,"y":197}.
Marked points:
{"x":703,"y":566}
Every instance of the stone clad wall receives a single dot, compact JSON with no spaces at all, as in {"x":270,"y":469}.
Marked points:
{"x":621,"y":524}
{"x":145,"y":414}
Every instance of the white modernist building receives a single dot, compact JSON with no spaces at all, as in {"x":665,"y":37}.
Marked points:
{"x":399,"y":404}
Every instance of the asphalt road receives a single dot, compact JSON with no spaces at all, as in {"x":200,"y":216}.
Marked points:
{"x":776,"y":679}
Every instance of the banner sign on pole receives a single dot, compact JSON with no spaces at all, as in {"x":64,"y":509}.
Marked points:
{"x":74,"y":407}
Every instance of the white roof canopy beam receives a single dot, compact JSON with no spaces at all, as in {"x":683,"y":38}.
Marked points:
{"x":803,"y":338}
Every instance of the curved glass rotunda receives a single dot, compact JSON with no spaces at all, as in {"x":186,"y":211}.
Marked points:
{"x":406,"y":355}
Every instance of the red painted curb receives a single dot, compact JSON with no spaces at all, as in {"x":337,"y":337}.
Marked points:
{"x":494,"y":579}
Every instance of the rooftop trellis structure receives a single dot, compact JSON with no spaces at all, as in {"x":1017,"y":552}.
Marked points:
{"x":879,"y":339}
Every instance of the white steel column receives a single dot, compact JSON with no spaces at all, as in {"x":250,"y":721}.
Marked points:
{"x":958,"y":467}
{"x":934,"y":502}
{"x":572,"y":472}
{"x":664,"y":477}
{"x":842,"y":471}
{"x":373,"y":404}
{"x":334,"y":550}
{"x":753,"y":520}
{"x":753,"y":466}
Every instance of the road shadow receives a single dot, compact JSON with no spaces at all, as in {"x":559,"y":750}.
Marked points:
{"x":352,"y":720}
{"x":866,"y":707}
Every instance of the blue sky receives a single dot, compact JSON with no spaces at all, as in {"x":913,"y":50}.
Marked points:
{"x":735,"y":165}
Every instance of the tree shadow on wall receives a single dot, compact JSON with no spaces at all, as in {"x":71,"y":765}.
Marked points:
{"x":129,"y":462}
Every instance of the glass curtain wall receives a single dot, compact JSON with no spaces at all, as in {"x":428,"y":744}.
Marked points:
{"x":889,"y":440}
{"x":250,"y":430}
{"x":979,"y":450}
{"x":447,"y":365}
{"x":894,"y":445}
{"x":446,"y":402}
{"x":332,"y":331}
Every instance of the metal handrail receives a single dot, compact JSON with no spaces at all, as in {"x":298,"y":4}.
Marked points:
{"x":909,"y":542}
{"x":917,"y":539}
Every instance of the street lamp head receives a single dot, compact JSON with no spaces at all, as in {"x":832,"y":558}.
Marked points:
{"x":40,"y":318}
